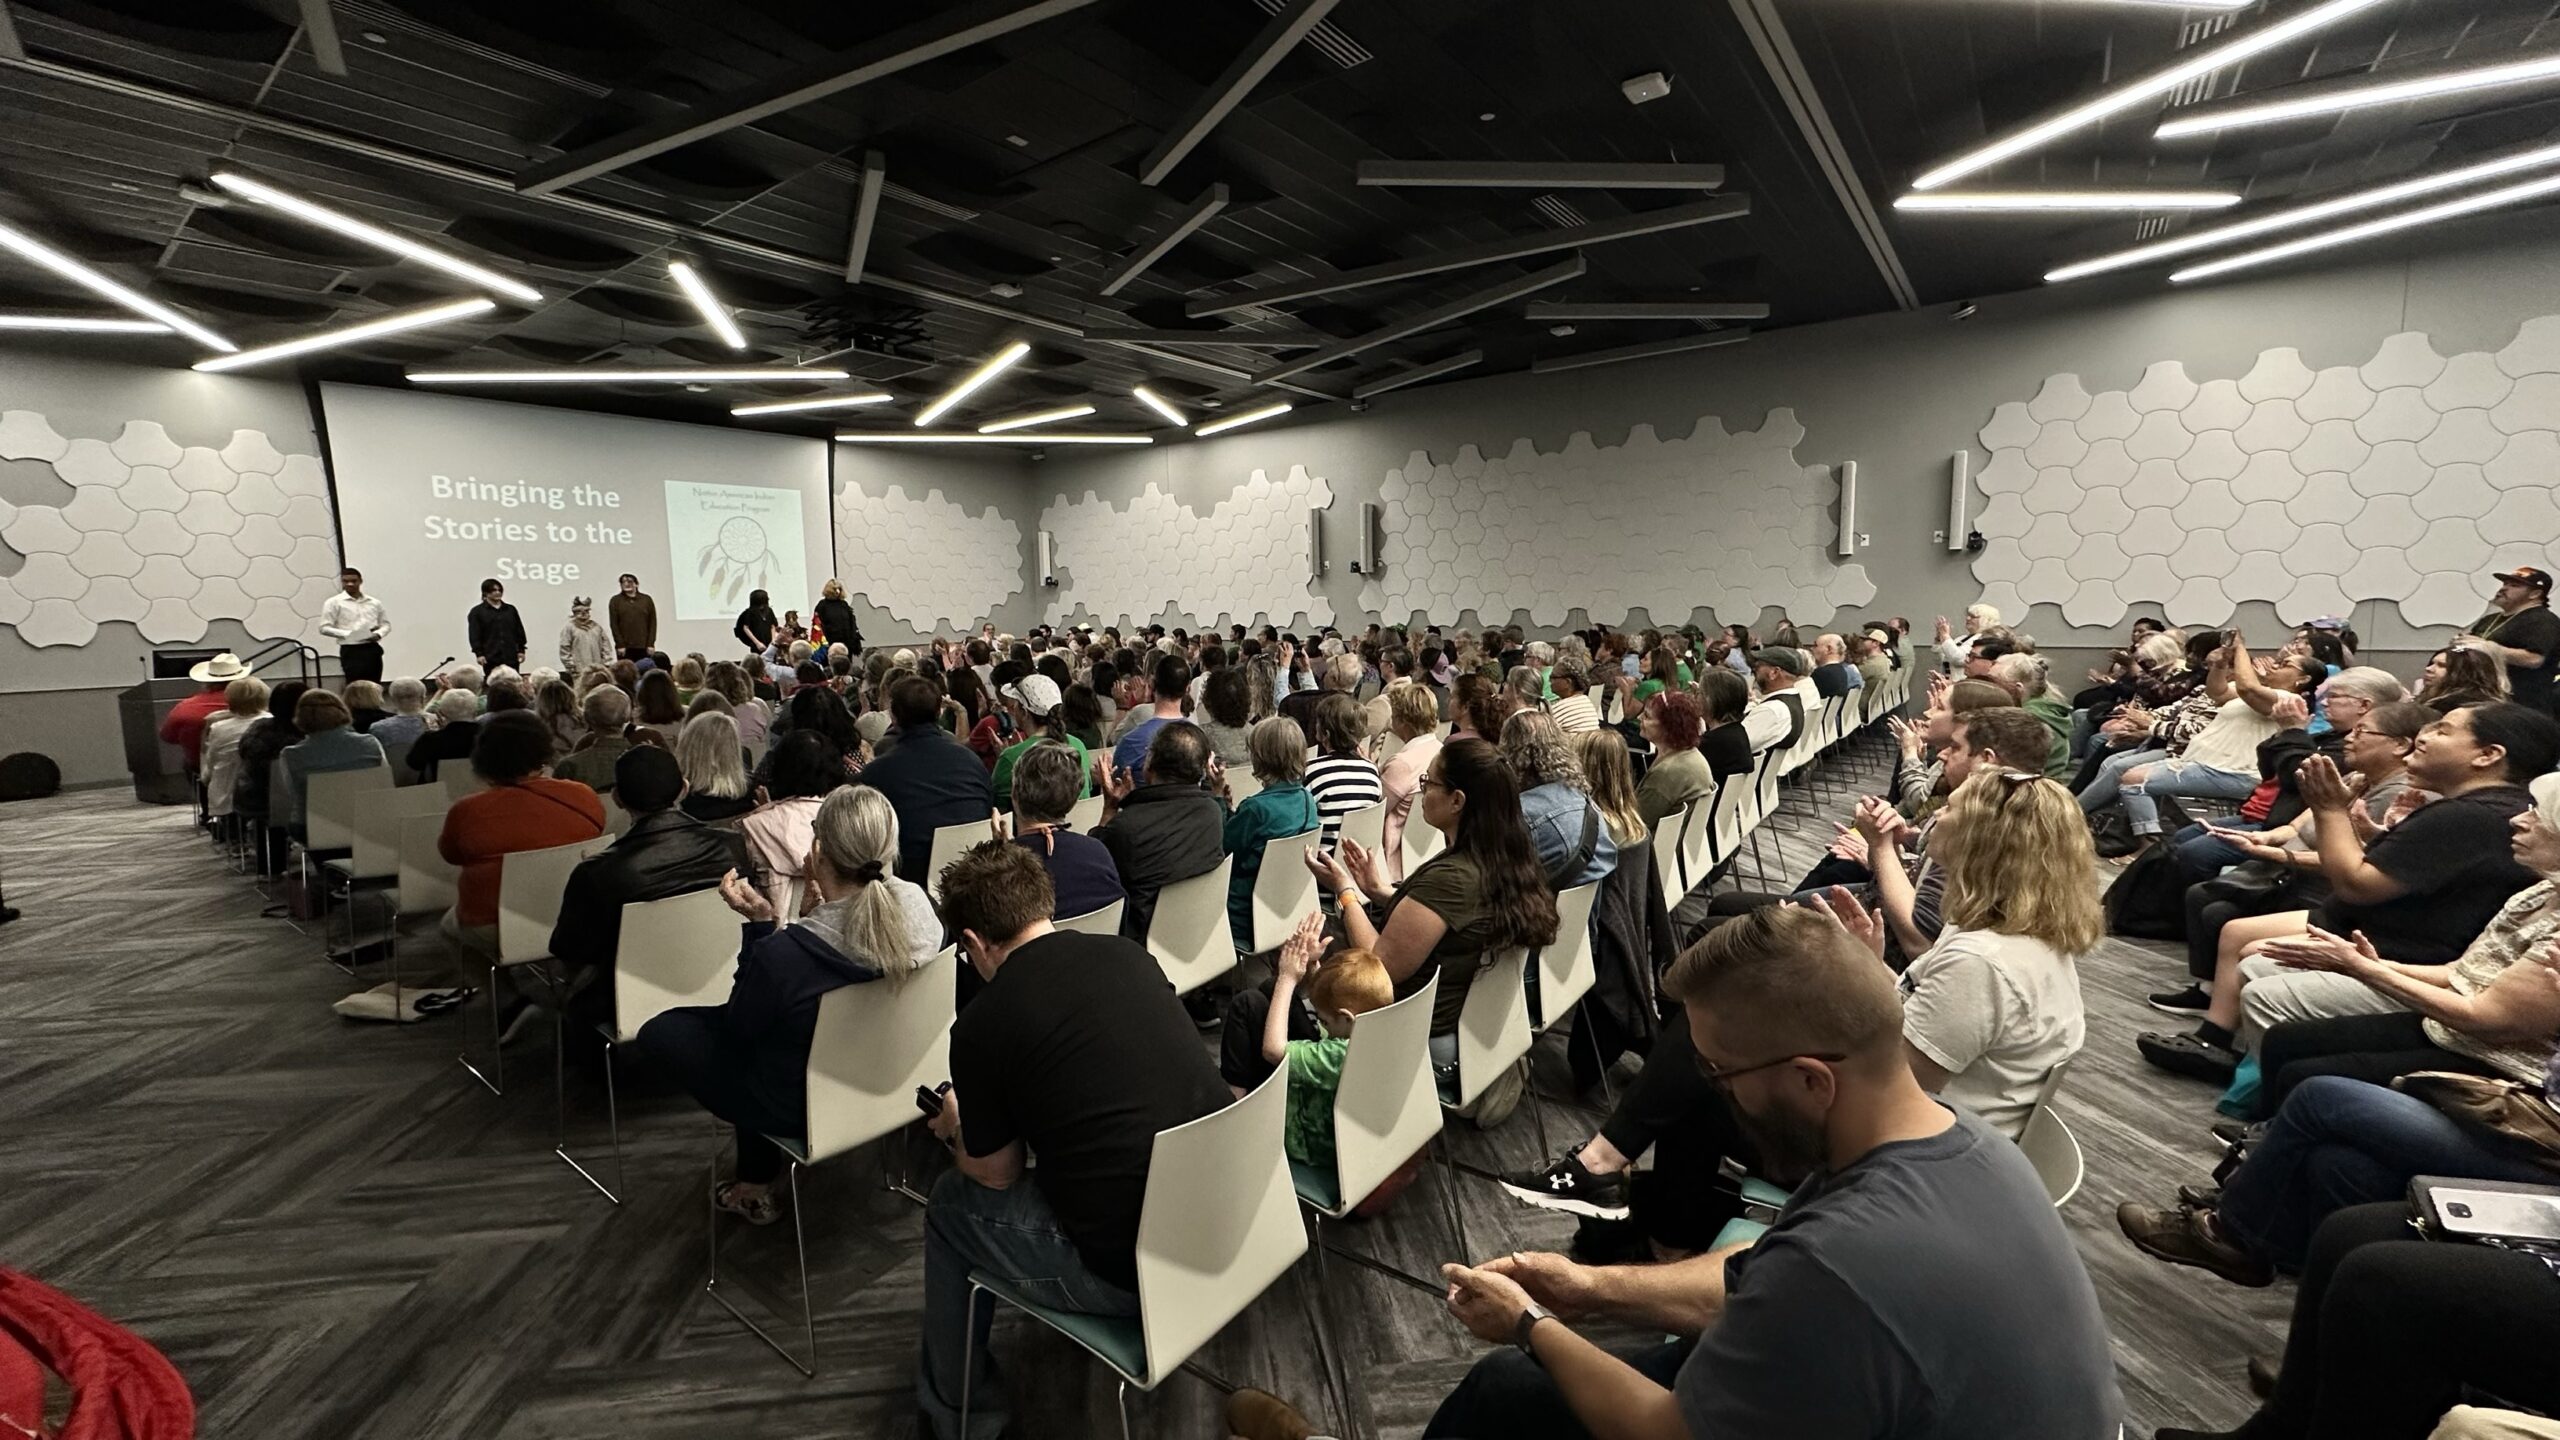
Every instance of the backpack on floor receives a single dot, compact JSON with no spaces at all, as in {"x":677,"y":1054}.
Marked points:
{"x":2149,"y":900}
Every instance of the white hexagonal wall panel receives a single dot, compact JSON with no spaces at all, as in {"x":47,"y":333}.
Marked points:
{"x":2218,"y":405}
{"x":2056,"y":444}
{"x":2060,"y":399}
{"x":2111,"y":416}
{"x":1769,"y":505}
{"x":26,"y":435}
{"x":2210,"y":505}
{"x":925,"y":559}
{"x":2272,"y":425}
{"x":2530,"y":458}
{"x":2214,"y":456}
{"x":154,"y":534}
{"x":1246,"y":556}
{"x":2456,"y":490}
{"x":2397,"y":414}
{"x":2011,"y":428}
{"x":2103,"y":512}
{"x":2471,"y":380}
{"x":2463,"y":437}
{"x":2535,"y":350}
{"x":2403,"y":359}
{"x":2337,"y":393}
{"x":2278,"y":375}
{"x":2164,"y":386}
{"x":2533,"y":405}
{"x":2445,"y":597}
{"x":2396,"y":467}
{"x":2007,"y":472}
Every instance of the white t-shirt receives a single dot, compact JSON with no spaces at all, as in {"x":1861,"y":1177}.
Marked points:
{"x":1997,"y":1013}
{"x":1574,"y":714}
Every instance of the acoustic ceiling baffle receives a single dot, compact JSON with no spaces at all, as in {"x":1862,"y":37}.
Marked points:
{"x":1648,"y":310}
{"x":320,"y":27}
{"x":1646,"y":351}
{"x":1243,"y":339}
{"x":1416,"y":374}
{"x":866,"y":212}
{"x":1415,"y":324}
{"x":1211,"y":201}
{"x":1537,"y":175}
{"x":902,"y":49}
{"x":1224,"y":94}
{"x":1514,"y":247}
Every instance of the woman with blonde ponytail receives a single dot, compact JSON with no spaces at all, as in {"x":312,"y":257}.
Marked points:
{"x":747,"y":1060}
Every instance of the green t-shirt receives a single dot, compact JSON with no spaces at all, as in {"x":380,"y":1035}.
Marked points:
{"x":1315,"y":1072}
{"x":1004,"y":767}
{"x":1646,"y":691}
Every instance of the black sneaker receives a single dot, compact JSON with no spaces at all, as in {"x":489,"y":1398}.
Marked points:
{"x":1567,"y":1186}
{"x":1609,"y":1242}
{"x":2238,"y":1132}
{"x":2190,"y":1001}
{"x":2188,"y":1055}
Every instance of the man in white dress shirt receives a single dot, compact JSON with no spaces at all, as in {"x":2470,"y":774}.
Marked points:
{"x":354,"y":619}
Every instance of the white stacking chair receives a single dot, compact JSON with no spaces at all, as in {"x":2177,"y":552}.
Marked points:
{"x":1421,"y":840}
{"x":1368,"y":825}
{"x":1217,"y":1227}
{"x":1085,"y":814}
{"x":1284,"y":891}
{"x":1697,"y":841}
{"x":2050,"y":1145}
{"x":373,"y":859}
{"x":1566,"y":970}
{"x":1666,"y":855}
{"x":1242,"y":784}
{"x":617,"y":821}
{"x":530,"y":883}
{"x":456,"y":776}
{"x":949,"y":841}
{"x":874,"y":1046}
{"x":1190,"y":935}
{"x":1493,"y":1026}
{"x":675,"y":952}
{"x":1104,"y":921}
{"x":329,"y":807}
{"x":395,"y":758}
{"x":1386,"y":1110}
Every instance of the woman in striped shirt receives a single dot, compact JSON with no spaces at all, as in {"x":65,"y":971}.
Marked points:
{"x":1340,"y":777}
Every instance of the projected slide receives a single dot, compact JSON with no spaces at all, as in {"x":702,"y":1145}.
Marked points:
{"x":725,"y":542}
{"x":437,"y":493}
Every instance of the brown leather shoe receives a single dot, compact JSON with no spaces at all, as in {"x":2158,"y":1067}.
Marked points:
{"x":2187,"y":1236}
{"x":1261,"y":1415}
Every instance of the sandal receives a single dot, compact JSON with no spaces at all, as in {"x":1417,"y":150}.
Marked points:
{"x":762,"y":1210}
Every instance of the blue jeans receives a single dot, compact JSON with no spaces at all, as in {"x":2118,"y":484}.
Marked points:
{"x":1012,"y":1235}
{"x":2141,"y":802}
{"x":2084,"y":730}
{"x":2340,"y":1142}
{"x":2102,"y":791}
{"x":2203,"y":856}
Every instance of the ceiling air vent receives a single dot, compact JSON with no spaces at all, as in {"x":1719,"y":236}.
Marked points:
{"x":1556,"y":211}
{"x":1326,"y":39}
{"x":2189,"y":36}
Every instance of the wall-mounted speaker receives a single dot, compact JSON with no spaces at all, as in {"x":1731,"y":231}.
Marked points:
{"x":1372,"y":539}
{"x":1959,"y":498}
{"x":1048,"y":562}
{"x":1315,"y":543}
{"x":1848,"y":546}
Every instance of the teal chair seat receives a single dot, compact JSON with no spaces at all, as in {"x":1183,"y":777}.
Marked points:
{"x":1320,"y":1188}
{"x":798,"y":1150}
{"x":1118,"y":1341}
{"x":1739,"y":1232}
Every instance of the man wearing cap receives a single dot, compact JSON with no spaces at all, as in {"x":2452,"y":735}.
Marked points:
{"x":1867,"y":653}
{"x":354,"y":619}
{"x":184,"y":727}
{"x":2521,"y":633}
{"x":1777,"y":717}
{"x":1038,"y":719}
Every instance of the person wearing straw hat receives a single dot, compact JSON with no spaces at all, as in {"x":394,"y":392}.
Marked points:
{"x":185,"y":726}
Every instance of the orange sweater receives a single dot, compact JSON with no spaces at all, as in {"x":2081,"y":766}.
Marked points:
{"x":531,"y":815}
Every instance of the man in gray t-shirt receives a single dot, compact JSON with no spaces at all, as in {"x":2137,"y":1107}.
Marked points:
{"x":1918,"y":1285}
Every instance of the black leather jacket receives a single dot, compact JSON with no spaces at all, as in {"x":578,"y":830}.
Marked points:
{"x":666,"y":852}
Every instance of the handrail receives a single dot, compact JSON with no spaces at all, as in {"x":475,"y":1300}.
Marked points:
{"x":307,"y":659}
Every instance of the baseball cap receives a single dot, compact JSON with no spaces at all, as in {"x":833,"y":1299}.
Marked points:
{"x":1035,"y":693}
{"x":2528,"y":577}
{"x":1780,"y":657}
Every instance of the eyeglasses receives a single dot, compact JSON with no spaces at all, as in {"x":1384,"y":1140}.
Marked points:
{"x":1723,"y":1079}
{"x":1434,"y":782}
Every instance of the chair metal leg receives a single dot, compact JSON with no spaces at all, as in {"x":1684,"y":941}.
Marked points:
{"x":495,"y":1082}
{"x":899,"y":1181}
{"x":1537,"y":1107}
{"x":1457,"y":1219}
{"x":1124,"y":1410}
{"x":800,"y":1244}
{"x":1328,"y":1355}
{"x":612,"y":1110}
{"x":968,"y":1356}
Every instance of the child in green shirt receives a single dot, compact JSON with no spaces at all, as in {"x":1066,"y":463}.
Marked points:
{"x":1349,"y":985}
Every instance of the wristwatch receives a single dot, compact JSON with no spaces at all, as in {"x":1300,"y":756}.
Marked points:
{"x":1528,"y":1322}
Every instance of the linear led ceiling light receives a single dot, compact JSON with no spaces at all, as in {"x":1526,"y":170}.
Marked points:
{"x":903,"y":437}
{"x":2330,"y":101}
{"x":1036,"y":417}
{"x":822,"y":402}
{"x":91,"y":324}
{"x":2310,"y":214}
{"x":2467,"y":205}
{"x":391,"y":324}
{"x":366,"y":232}
{"x":1003,"y":361}
{"x":714,"y":314}
{"x":613,"y":375}
{"x":1247,"y":418}
{"x":2257,"y":40}
{"x":1161,"y":406}
{"x":24,"y":244}
{"x":2070,"y":200}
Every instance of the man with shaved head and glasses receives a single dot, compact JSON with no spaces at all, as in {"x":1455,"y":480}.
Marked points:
{"x":1918,"y":1283}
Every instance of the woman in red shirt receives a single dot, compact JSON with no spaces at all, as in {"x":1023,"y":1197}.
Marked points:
{"x":523,"y":808}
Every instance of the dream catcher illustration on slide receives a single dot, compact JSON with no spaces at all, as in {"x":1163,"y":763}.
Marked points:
{"x":740,"y":550}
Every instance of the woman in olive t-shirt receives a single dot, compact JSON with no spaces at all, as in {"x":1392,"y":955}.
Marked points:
{"x":1485,"y":890}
